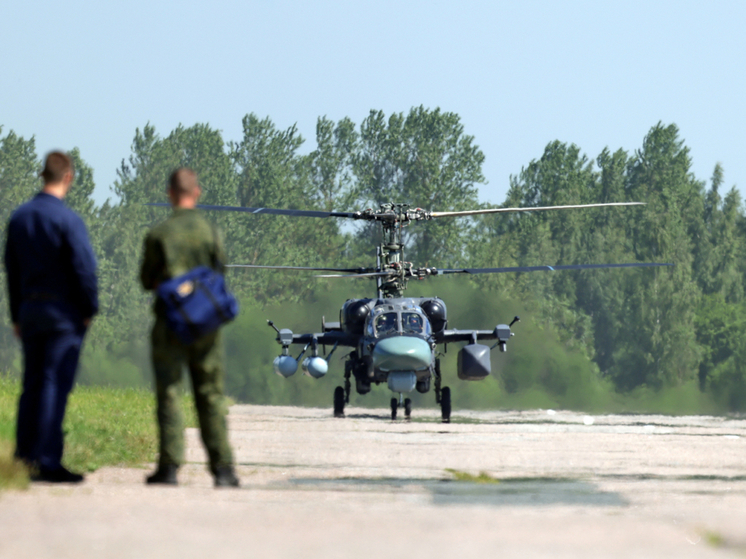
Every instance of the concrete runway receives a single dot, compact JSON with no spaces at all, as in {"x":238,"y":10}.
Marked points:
{"x":565,"y":485}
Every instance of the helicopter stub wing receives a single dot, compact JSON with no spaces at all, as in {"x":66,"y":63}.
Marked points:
{"x":327,"y":338}
{"x":451,"y":336}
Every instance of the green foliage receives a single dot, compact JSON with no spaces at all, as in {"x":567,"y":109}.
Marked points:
{"x":683,"y":399}
{"x":19,"y":181}
{"x":13,"y":474}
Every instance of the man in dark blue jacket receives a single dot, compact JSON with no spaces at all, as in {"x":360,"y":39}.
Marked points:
{"x":53,"y":296}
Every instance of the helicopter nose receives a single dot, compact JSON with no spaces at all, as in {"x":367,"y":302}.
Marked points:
{"x":402,"y":353}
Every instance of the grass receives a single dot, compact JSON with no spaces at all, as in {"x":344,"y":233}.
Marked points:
{"x":714,"y":539}
{"x":483,"y":477}
{"x":12,"y":474}
{"x":103,"y":427}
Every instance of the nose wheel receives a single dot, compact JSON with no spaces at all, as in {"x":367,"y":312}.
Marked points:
{"x":396,"y":403}
{"x":445,"y":404}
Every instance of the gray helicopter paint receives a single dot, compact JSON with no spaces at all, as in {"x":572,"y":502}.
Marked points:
{"x":402,"y":382}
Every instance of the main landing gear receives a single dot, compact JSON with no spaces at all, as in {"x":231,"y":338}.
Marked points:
{"x":342,"y":395}
{"x":396,"y":403}
{"x":442,"y":395}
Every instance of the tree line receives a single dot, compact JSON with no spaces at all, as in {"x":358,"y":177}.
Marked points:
{"x":585,"y":336}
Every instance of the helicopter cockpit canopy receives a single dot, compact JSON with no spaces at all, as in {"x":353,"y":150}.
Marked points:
{"x":386,"y":323}
{"x":413,"y":323}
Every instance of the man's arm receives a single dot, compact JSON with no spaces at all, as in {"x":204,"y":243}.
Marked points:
{"x":153,"y":263}
{"x":83,"y":263}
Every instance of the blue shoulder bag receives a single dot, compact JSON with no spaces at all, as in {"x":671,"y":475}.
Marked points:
{"x":197,"y":303}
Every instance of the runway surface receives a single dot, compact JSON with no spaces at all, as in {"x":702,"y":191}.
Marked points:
{"x":489,"y":484}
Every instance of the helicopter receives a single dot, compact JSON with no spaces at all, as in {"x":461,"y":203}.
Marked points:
{"x":394,"y":339}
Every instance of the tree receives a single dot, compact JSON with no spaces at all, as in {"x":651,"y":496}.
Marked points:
{"x":659,"y":345}
{"x":271,"y":173}
{"x":80,"y":196}
{"x":331,"y":163}
{"x":19,"y":181}
{"x":426,"y":160}
{"x":717,"y":249}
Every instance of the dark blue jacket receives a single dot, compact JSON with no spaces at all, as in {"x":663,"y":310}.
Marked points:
{"x":50,"y":265}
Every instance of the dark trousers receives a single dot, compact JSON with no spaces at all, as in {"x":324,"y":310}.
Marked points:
{"x":204,"y":360}
{"x":51,"y":359}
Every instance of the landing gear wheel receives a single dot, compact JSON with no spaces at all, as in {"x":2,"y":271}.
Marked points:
{"x":445,"y":404}
{"x":339,"y":402}
{"x":394,"y":406}
{"x":407,"y":408}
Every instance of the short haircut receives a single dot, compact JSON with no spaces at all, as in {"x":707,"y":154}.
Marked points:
{"x":183,"y":182}
{"x":56,"y":165}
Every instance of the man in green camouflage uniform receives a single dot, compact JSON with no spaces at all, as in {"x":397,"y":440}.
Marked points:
{"x":183,"y":242}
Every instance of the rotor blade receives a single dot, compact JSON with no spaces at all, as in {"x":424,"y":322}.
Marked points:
{"x":272,"y":211}
{"x":551,"y":268}
{"x":363,"y":275}
{"x":306,"y":268}
{"x":532,"y":209}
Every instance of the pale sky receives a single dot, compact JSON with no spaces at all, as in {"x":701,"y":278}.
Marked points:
{"x":520,"y":74}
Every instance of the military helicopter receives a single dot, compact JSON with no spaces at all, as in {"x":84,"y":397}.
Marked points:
{"x":394,"y":339}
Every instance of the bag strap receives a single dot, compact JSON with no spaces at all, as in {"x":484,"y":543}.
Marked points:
{"x":213,"y":300}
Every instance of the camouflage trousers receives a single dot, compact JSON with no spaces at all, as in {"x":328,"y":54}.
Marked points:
{"x":204,"y":360}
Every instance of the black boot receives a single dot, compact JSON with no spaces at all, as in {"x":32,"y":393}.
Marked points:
{"x":164,"y":475}
{"x":225,"y":477}
{"x":59,"y":475}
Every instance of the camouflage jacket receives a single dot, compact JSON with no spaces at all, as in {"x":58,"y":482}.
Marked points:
{"x":182,"y":242}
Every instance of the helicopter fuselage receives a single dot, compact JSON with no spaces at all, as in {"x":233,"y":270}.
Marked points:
{"x":393,"y":341}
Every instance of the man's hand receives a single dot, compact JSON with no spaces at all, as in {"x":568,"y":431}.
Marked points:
{"x":17,"y":330}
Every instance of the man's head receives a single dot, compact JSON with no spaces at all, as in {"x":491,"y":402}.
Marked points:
{"x":183,"y":188}
{"x":58,"y":173}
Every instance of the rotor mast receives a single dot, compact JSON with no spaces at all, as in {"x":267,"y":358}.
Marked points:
{"x":390,"y":253}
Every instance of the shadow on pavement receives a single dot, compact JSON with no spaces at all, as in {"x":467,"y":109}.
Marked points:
{"x":520,"y":492}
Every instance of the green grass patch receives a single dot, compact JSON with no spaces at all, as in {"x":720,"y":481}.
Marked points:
{"x":714,"y":539}
{"x":13,"y":475}
{"x":109,"y":427}
{"x":103,"y":427}
{"x":482,"y":477}
{"x":10,"y":389}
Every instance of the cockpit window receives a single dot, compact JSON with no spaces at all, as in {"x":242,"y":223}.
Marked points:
{"x":412,"y":323}
{"x":386,"y":323}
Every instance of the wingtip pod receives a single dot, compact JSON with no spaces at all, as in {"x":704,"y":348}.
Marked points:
{"x":315,"y":367}
{"x":474,"y":362}
{"x":285,"y":366}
